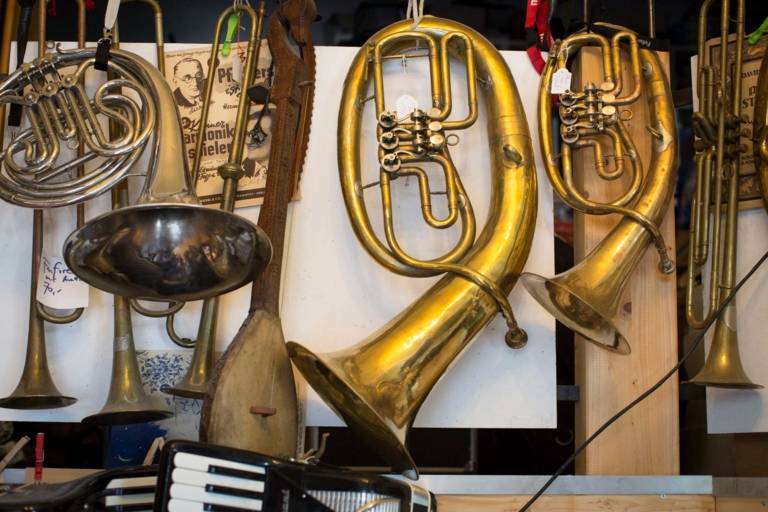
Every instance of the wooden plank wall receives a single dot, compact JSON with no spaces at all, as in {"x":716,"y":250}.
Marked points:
{"x":691,"y":503}
{"x":645,"y":503}
{"x":646,"y":440}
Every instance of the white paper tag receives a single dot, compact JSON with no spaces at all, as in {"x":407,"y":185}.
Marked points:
{"x":561,"y":81}
{"x":110,"y":16}
{"x":405,"y":105}
{"x":58,"y":287}
{"x":237,"y":67}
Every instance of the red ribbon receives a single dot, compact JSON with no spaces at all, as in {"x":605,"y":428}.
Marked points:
{"x":537,"y":32}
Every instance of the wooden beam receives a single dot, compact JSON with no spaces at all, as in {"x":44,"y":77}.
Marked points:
{"x":741,"y":504}
{"x":646,"y":440}
{"x":646,"y":503}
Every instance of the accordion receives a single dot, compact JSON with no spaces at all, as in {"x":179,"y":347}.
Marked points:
{"x":201,"y":477}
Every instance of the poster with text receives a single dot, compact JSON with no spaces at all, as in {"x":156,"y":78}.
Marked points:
{"x":187,"y":74}
{"x":752,"y":55}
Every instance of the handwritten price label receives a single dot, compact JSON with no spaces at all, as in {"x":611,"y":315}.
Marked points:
{"x":58,"y":287}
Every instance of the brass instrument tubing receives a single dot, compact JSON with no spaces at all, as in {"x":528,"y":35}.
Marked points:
{"x":651,"y":19}
{"x":9,"y":22}
{"x":445,"y":73}
{"x":438,"y":98}
{"x":205,"y":340}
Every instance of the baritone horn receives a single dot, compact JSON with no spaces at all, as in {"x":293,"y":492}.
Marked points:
{"x":166,"y":247}
{"x":36,"y":389}
{"x":718,"y":129}
{"x":586,"y":297}
{"x":378,"y":385}
{"x":127,"y":401}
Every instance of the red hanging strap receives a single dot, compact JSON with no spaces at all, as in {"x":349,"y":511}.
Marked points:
{"x":537,"y":33}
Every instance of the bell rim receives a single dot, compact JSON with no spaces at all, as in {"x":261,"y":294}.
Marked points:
{"x":127,"y":417}
{"x":261,"y":259}
{"x":722,"y":384}
{"x":309,"y":365}
{"x":36,"y":402}
{"x":535,"y":285}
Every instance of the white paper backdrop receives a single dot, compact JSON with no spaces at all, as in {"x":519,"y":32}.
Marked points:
{"x":334,"y":294}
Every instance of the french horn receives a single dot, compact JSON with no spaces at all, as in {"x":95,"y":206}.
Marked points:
{"x":378,"y":385}
{"x":718,"y":128}
{"x":166,"y":247}
{"x":586,"y":297}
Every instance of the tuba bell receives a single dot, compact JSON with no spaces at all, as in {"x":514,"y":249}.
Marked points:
{"x":378,"y":385}
{"x":586,"y":297}
{"x":718,"y":128}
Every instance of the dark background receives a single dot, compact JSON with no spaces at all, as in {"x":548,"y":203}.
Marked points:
{"x":350,"y":23}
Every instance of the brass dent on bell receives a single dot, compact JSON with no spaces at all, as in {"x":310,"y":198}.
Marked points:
{"x":586,"y":297}
{"x":378,"y":385}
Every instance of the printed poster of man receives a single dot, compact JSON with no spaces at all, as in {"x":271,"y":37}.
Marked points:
{"x":186,"y":72}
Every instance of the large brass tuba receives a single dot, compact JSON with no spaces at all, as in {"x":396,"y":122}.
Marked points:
{"x":167,"y":246}
{"x":378,"y":385}
{"x":718,"y":127}
{"x":586,"y":297}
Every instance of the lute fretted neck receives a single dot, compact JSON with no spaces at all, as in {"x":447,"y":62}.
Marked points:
{"x":291,"y":94}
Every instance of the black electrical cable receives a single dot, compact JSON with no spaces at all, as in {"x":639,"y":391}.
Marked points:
{"x":697,"y":341}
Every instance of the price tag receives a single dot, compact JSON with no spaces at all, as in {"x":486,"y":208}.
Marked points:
{"x":561,"y":81}
{"x":237,"y":68}
{"x":58,"y":287}
{"x":405,"y":105}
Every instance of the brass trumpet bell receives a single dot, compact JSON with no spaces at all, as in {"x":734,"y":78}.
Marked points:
{"x":580,"y":304}
{"x":195,"y":382}
{"x":180,"y":252}
{"x":723,"y":368}
{"x":127,"y":402}
{"x":36,"y":389}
